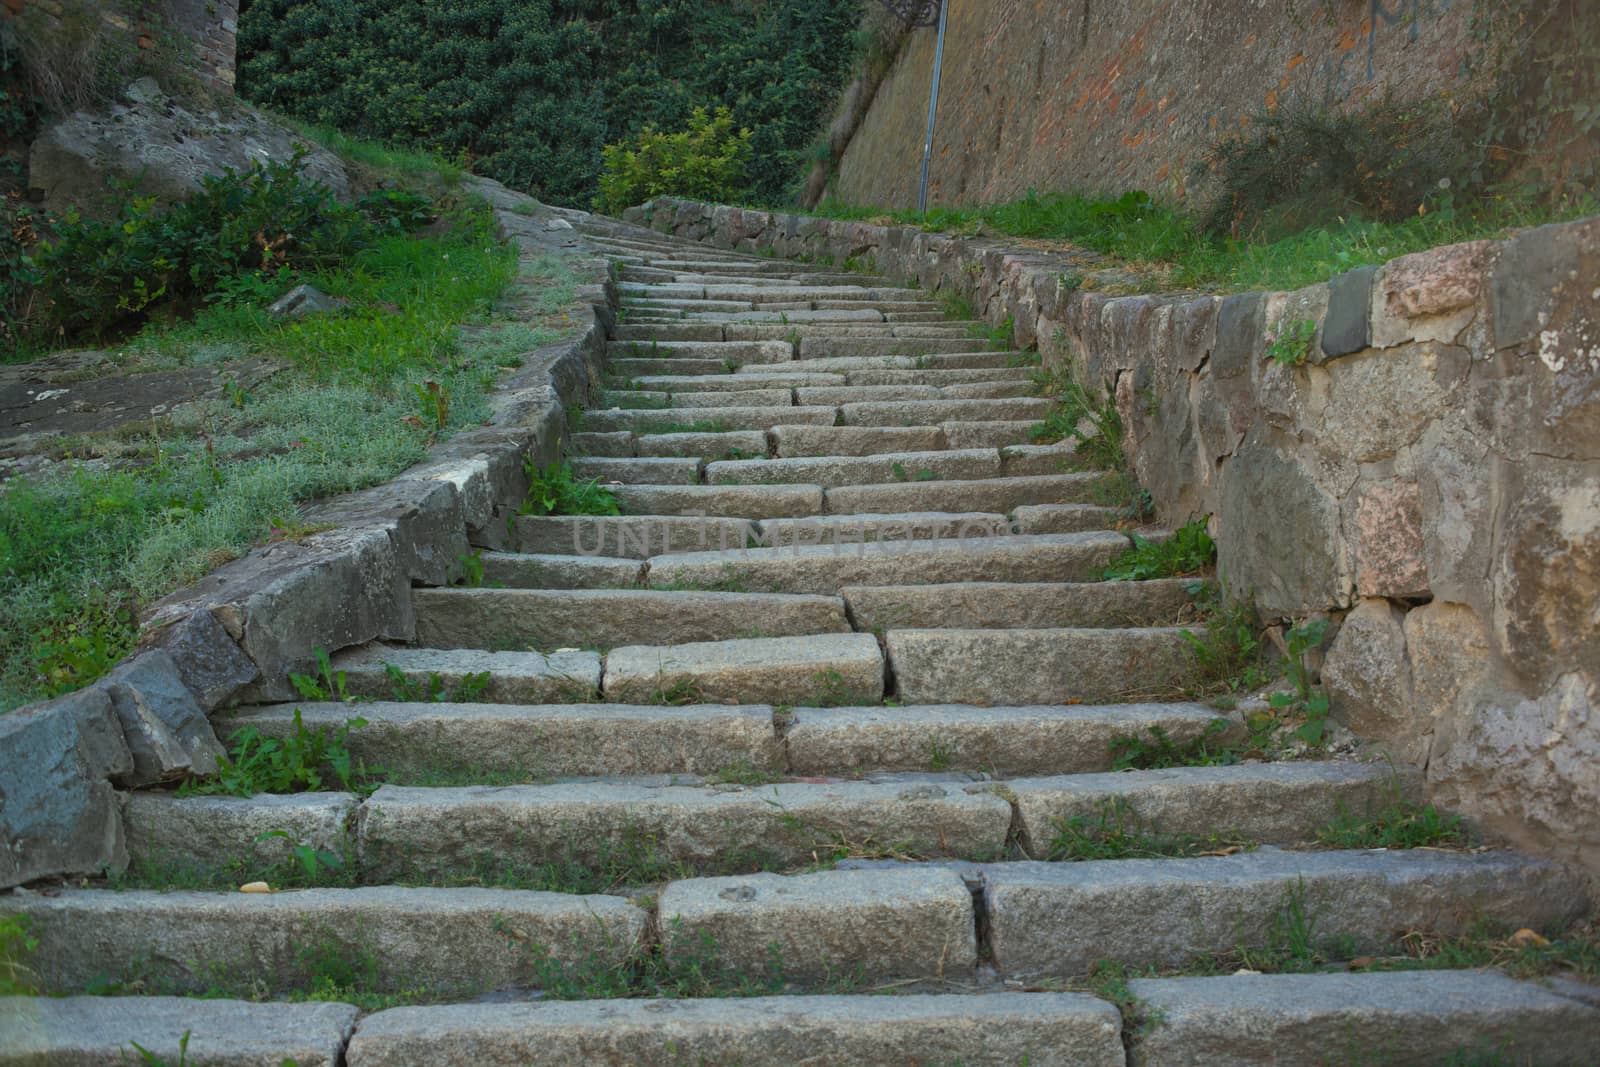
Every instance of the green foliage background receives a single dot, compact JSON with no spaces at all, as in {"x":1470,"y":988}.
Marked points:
{"x":533,"y":90}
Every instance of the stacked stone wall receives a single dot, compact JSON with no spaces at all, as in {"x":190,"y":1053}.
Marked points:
{"x":207,"y":30}
{"x":1428,"y":477}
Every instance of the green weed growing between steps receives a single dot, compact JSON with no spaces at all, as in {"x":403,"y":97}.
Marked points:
{"x":1189,"y":552}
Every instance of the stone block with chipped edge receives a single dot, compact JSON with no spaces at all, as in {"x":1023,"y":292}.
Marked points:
{"x":841,"y":668}
{"x":451,"y":942}
{"x":417,"y":741}
{"x":831,"y":471}
{"x":1002,"y":740}
{"x":1050,"y":666}
{"x":214,"y":830}
{"x":606,"y":618}
{"x":973,"y":553}
{"x":707,"y":828}
{"x":990,"y":494}
{"x":1058,"y":918}
{"x":722,"y":501}
{"x":991,"y":1030}
{"x":1018,"y":605}
{"x":91,"y":1031}
{"x":634,"y":537}
{"x":1397,"y":1017}
{"x":878,"y":925}
{"x":60,"y":814}
{"x":1273,"y":803}
{"x":797,"y":441}
{"x":515,"y":570}
{"x":513,"y":677}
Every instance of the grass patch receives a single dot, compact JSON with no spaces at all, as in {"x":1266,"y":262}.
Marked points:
{"x":1094,"y":426}
{"x":1116,"y":832}
{"x":555,"y":490}
{"x":1135,"y":230}
{"x":1399,"y":824}
{"x":296,"y":764}
{"x":83,"y":549}
{"x":1189,"y":551}
{"x":17,"y":979}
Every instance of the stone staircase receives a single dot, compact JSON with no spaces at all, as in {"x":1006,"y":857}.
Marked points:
{"x":807,"y":717}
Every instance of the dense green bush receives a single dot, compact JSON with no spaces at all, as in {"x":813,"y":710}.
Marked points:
{"x":707,"y":161}
{"x":240,"y":233}
{"x":532,"y":90}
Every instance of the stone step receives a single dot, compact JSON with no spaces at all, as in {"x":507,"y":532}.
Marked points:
{"x":875,"y":347}
{"x":633,"y":537}
{"x":616,"y":444}
{"x":852,"y":394}
{"x":452,"y":942}
{"x":408,"y":832}
{"x":940,"y":377}
{"x":743,"y":398}
{"x":790,"y":442}
{"x":518,"y":570}
{"x":1065,"y":518}
{"x":1002,"y":495}
{"x":88,"y":1031}
{"x":853,"y":529}
{"x":678,"y":331}
{"x":1059,"y":918}
{"x":727,"y":501}
{"x":1018,"y":460}
{"x":722,"y":419}
{"x":418,"y":742}
{"x":380,"y":672}
{"x":976,"y":605}
{"x":930,"y":412}
{"x":635,"y":309}
{"x":1270,"y":803}
{"x":606,"y":618}
{"x":823,"y":669}
{"x":630,"y":368}
{"x":961,"y":360}
{"x":742,"y":353}
{"x":996,"y":434}
{"x":1046,"y":666}
{"x":827,"y":568}
{"x":915,"y":922}
{"x":1428,"y":1016}
{"x":634,"y":471}
{"x":733,"y":444}
{"x":737,"y":326}
{"x":989,"y":390}
{"x":911,"y":1030}
{"x":833,"y":471}
{"x":163,"y":827}
{"x":999,"y":740}
{"x":832,"y":292}
{"x":728,"y":383}
{"x":784,"y":319}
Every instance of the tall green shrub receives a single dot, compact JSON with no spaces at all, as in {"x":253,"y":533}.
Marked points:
{"x":707,"y":161}
{"x":532,"y":90}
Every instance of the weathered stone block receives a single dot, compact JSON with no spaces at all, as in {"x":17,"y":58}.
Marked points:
{"x":166,"y":729}
{"x":60,"y":815}
{"x":1369,"y":680}
{"x":1389,"y":550}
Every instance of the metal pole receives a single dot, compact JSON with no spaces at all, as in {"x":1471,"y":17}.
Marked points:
{"x":933,"y":108}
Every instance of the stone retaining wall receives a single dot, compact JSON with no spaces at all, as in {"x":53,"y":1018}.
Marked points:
{"x":1106,"y":97}
{"x":1429,"y":477}
{"x":235,"y":636}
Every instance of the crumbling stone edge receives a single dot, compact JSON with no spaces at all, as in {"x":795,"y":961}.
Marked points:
{"x":234,"y":636}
